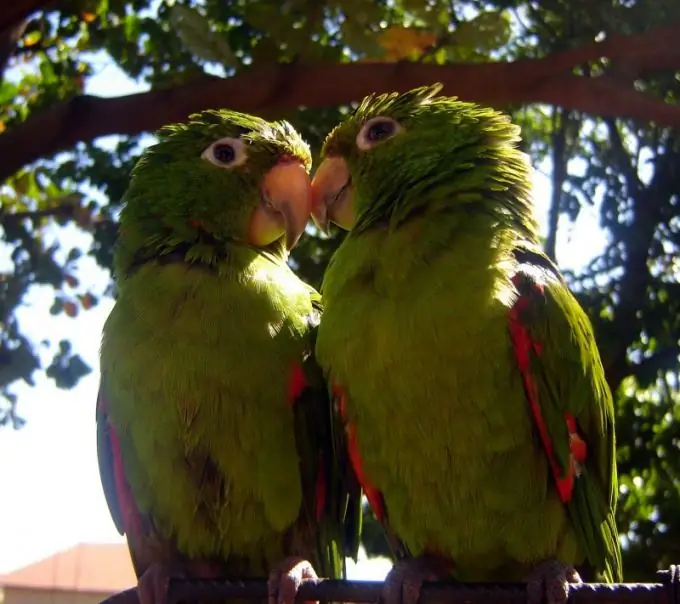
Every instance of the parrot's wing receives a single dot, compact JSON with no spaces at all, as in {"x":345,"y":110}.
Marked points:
{"x":143,"y":542}
{"x":570,"y":403}
{"x":106,"y":443}
{"x":332,"y":496}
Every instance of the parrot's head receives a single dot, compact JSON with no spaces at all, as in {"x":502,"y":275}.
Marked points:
{"x":399,"y":155}
{"x":219,"y":178}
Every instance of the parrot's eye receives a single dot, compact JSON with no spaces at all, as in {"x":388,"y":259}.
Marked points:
{"x":226,"y":153}
{"x":376,"y":130}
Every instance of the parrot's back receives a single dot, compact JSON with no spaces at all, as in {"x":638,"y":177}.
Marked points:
{"x":415,"y":331}
{"x":199,"y":371}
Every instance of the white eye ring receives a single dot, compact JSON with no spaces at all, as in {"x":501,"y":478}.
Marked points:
{"x":226,"y":153}
{"x":377,"y":130}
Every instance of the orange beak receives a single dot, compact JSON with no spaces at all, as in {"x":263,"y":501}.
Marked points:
{"x":287,"y":200}
{"x":332,"y":194}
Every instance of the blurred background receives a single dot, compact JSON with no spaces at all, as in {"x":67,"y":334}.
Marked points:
{"x":84,"y":83}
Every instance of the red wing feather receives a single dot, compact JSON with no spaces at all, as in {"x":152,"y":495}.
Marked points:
{"x":524,"y":345}
{"x":118,"y":494}
{"x":374,"y":496}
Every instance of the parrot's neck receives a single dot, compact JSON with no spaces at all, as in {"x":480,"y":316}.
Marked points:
{"x":507,"y":207}
{"x":211,"y":255}
{"x":396,"y":260}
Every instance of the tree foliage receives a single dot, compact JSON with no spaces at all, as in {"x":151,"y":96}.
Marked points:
{"x":594,"y":85}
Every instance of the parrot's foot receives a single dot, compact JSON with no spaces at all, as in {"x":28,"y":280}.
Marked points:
{"x":550,"y":580}
{"x":285,"y":580}
{"x":403,"y":582}
{"x":153,"y":585}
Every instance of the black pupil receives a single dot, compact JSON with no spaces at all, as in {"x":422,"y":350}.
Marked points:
{"x":380,"y":130}
{"x":224,"y":153}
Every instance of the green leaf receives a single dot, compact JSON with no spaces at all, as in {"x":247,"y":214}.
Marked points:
{"x":25,"y":186}
{"x":428,"y":14}
{"x":47,"y":72}
{"x":266,"y":18}
{"x":265,"y":51}
{"x":359,"y":39}
{"x":198,"y":36}
{"x":32,"y":38}
{"x":364,"y":13}
{"x":132,"y":26}
{"x":7,"y":92}
{"x":490,"y":30}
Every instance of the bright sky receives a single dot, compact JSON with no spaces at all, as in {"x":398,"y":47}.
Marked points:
{"x":51,"y":494}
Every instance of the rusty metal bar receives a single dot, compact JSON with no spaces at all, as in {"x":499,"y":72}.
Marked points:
{"x":327,"y":590}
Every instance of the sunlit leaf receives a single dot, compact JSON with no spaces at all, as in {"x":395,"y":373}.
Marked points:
{"x":7,"y":92}
{"x":32,"y":38}
{"x":401,"y":42}
{"x":47,"y":72}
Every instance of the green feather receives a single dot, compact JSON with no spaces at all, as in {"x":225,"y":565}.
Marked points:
{"x":482,"y":169}
{"x":196,"y":360}
{"x":416,"y":330}
{"x":172,"y":190}
{"x":570,"y":377}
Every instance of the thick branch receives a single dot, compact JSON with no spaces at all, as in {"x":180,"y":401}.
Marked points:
{"x":272,"y":89}
{"x":16,"y":11}
{"x":8,"y":40}
{"x":624,"y":161}
{"x":432,"y":593}
{"x":632,"y":289}
{"x":646,"y":50}
{"x":61,"y":211}
{"x":559,"y":160}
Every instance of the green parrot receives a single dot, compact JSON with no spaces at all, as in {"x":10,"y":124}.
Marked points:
{"x":213,"y":422}
{"x":479,"y":421}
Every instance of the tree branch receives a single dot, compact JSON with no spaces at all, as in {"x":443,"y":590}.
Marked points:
{"x":632,"y":287}
{"x":8,"y":40}
{"x":62,"y":211}
{"x":69,"y":208}
{"x":560,"y":124}
{"x":275,"y":88}
{"x":432,"y":592}
{"x":624,"y":160}
{"x":16,"y":11}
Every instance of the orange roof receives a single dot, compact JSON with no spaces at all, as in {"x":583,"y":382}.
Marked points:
{"x":87,"y":567}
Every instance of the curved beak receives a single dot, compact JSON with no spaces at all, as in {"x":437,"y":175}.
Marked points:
{"x":286,"y":189}
{"x":331,"y":194}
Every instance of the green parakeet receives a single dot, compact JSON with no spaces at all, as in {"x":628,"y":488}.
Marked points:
{"x":213,"y":423}
{"x":480,"y":423}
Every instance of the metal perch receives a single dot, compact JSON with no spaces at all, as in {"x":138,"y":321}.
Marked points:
{"x":665,"y":592}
